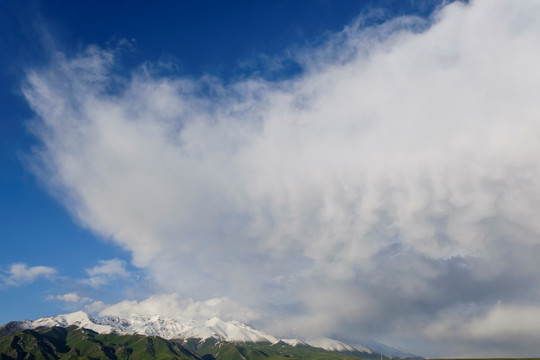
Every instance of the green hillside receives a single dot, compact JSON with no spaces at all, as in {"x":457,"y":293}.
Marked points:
{"x":210,"y":349}
{"x":74,"y":343}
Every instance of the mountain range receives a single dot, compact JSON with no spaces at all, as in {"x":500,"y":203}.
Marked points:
{"x":199,"y":338}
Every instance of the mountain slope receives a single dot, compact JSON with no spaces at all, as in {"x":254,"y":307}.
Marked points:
{"x":76,"y":343}
{"x":203,"y":337}
{"x":167,"y":328}
{"x":261,"y":351}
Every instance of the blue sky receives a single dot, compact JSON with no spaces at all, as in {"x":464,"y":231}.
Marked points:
{"x":346,"y":169}
{"x":223,"y":39}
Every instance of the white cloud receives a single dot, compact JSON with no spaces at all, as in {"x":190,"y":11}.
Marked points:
{"x":94,"y":307}
{"x":20,"y":274}
{"x":106,"y":270}
{"x":402,"y":177}
{"x":501,"y":329}
{"x":171,"y":306}
{"x":114,"y":267}
{"x":71,"y":297}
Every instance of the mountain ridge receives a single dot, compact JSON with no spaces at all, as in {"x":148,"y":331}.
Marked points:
{"x":213,"y":328}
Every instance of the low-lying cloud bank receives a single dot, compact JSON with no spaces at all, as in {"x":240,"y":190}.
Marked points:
{"x":389,"y":189}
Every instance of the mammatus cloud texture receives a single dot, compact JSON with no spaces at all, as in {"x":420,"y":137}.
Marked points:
{"x":389,"y":191}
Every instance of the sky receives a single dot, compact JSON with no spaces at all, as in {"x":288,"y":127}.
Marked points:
{"x":345,"y":169}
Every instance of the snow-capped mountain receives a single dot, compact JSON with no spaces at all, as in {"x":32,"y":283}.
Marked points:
{"x":333,"y":345}
{"x":168,"y":328}
{"x":385,"y":350}
{"x":294,"y":342}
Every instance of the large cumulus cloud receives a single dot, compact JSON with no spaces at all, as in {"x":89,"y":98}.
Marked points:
{"x":389,"y":188}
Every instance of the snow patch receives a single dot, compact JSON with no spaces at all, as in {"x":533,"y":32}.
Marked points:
{"x":331,"y":345}
{"x":294,"y":342}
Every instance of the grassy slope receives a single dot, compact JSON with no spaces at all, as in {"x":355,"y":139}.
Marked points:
{"x":73,"y":343}
{"x":210,"y":349}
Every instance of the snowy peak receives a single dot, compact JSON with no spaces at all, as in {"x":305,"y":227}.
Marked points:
{"x":79,"y":319}
{"x":235,"y":331}
{"x":167,"y":328}
{"x":329,"y":345}
{"x":294,"y":342}
{"x":214,"y":328}
{"x":333,"y":345}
